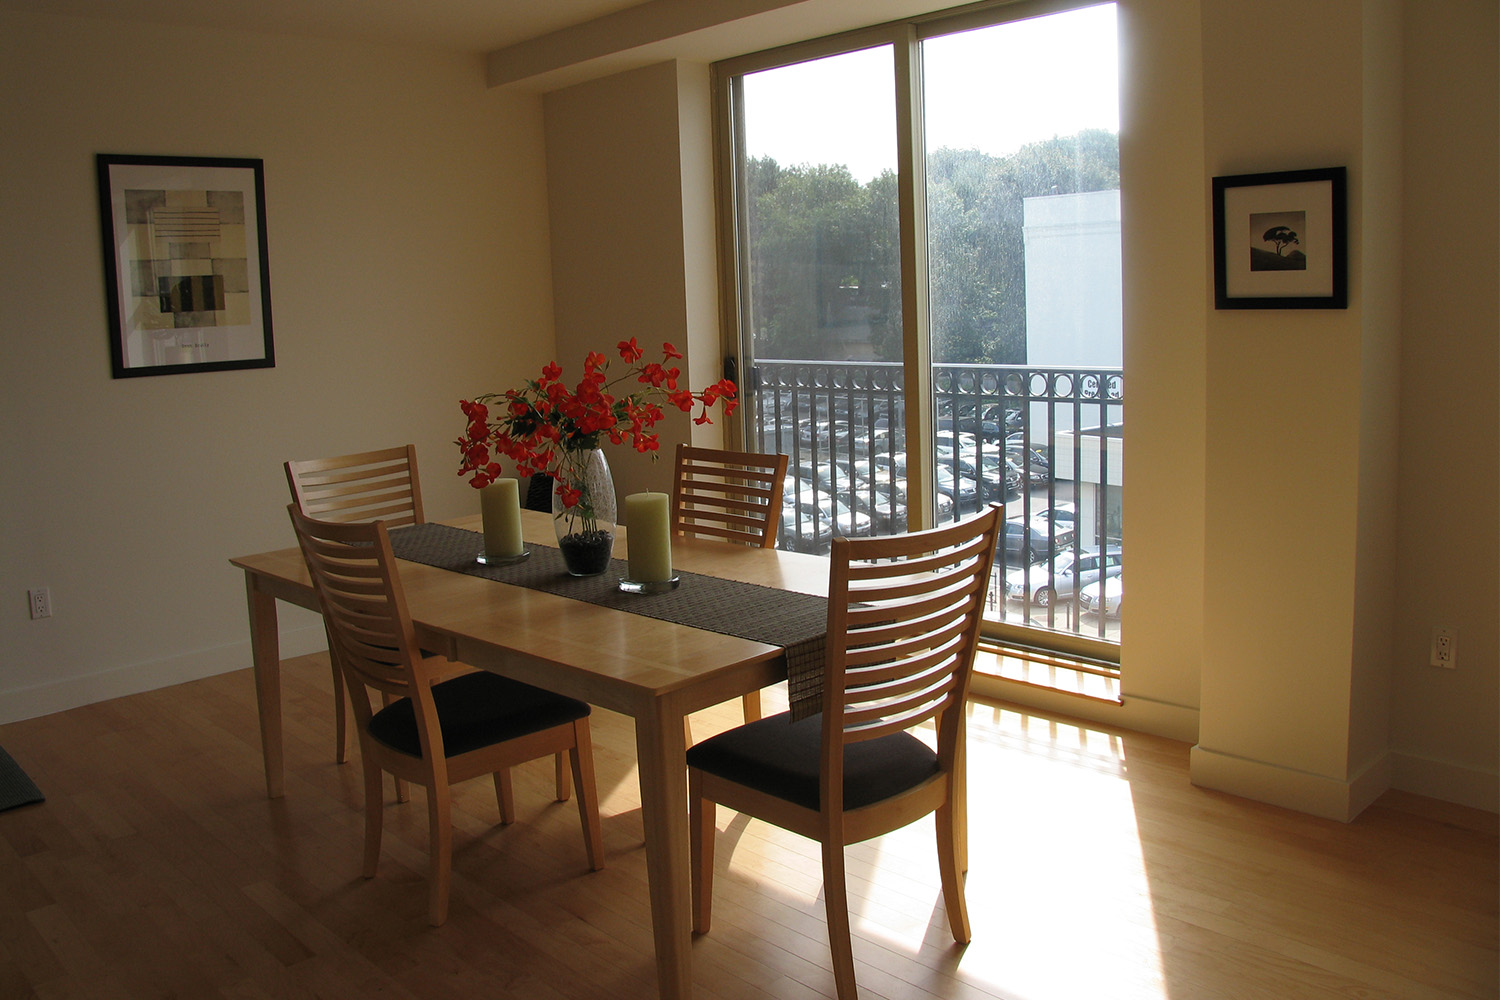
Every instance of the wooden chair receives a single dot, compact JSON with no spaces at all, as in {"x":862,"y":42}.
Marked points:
{"x":367,"y":486}
{"x":431,"y":734}
{"x":733,"y":495}
{"x":903,"y":621}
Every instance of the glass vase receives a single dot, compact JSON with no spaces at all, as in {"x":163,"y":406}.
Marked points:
{"x":586,"y":529}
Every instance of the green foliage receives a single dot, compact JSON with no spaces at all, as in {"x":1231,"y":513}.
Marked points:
{"x":825,"y":250}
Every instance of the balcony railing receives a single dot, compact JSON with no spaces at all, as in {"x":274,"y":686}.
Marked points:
{"x":1046,"y":442}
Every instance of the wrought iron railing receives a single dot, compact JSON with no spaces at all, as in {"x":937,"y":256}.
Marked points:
{"x":1045,"y":441}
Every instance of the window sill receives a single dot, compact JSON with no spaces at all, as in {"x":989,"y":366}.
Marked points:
{"x":1073,"y":676}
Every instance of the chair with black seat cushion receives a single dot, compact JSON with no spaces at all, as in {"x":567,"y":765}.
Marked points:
{"x":432,"y":734}
{"x":730,"y":495}
{"x":903,"y":622}
{"x":365,"y":486}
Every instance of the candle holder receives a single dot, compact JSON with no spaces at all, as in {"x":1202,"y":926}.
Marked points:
{"x":650,"y":586}
{"x":485,"y":559}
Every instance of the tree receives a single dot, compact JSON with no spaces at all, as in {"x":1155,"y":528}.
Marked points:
{"x":824,"y":250}
{"x":1281,"y":236}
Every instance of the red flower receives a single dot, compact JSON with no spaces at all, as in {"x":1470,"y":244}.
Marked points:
{"x":545,"y":420}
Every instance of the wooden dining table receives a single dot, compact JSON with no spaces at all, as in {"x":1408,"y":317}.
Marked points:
{"x":655,"y":671}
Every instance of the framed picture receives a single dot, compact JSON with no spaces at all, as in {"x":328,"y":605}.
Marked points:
{"x":185,"y":264}
{"x":1281,"y":240}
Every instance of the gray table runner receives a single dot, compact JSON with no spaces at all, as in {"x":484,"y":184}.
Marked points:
{"x":796,"y":622}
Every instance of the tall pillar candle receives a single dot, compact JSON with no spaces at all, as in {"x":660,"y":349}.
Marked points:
{"x":648,"y":525}
{"x":500,"y":508}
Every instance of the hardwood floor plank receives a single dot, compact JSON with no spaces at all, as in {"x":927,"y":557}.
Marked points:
{"x":157,"y":867}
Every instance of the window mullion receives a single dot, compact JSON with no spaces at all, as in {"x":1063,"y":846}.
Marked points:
{"x":916,"y":345}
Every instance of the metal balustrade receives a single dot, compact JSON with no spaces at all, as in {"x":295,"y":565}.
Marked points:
{"x":1045,"y":441}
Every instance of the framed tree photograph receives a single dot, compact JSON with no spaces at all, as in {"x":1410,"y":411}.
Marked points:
{"x":185,"y":265}
{"x":1281,"y":240}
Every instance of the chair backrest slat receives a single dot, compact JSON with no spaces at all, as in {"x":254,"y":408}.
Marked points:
{"x":368,"y":486}
{"x":369,"y":631}
{"x":904,"y":617}
{"x":733,"y":495}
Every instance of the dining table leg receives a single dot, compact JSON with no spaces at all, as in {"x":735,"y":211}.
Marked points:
{"x":265,"y":651}
{"x":660,"y":749}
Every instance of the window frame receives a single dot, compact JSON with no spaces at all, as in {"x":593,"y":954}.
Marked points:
{"x":728,"y":130}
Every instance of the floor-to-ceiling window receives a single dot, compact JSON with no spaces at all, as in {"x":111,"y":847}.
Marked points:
{"x":926,"y":279}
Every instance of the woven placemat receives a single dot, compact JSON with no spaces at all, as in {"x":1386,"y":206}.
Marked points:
{"x":796,"y":622}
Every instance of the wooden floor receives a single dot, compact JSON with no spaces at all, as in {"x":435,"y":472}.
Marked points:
{"x":158,"y":868}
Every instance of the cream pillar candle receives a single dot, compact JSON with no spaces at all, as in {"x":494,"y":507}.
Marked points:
{"x":648,"y":525}
{"x":500,"y":508}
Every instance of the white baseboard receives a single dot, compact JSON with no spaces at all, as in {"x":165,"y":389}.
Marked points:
{"x":117,"y":682}
{"x":1315,"y":794}
{"x":1478,"y":788}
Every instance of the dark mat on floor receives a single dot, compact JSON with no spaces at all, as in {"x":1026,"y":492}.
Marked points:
{"x":16,"y":789}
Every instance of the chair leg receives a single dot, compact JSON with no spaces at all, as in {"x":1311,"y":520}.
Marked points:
{"x":751,"y":705}
{"x":582,"y":758}
{"x":440,"y":850}
{"x":505,"y":796}
{"x":374,"y":806}
{"x":340,"y":718}
{"x":950,"y":866}
{"x":562,"y":768}
{"x":701,"y":833}
{"x":836,"y":901}
{"x":403,"y":794}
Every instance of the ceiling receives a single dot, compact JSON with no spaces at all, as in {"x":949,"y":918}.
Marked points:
{"x":460,"y":25}
{"x":537,"y":44}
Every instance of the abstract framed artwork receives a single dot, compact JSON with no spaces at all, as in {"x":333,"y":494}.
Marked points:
{"x":1281,"y":240}
{"x":185,"y":264}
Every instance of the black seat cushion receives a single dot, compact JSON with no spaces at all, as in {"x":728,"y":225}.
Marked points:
{"x":476,"y":710}
{"x":780,"y":758}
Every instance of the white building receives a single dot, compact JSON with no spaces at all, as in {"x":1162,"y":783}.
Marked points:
{"x":1074,"y":319}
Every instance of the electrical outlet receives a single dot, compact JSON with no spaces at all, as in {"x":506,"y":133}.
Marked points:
{"x":1444,"y":647}
{"x":40,"y":599}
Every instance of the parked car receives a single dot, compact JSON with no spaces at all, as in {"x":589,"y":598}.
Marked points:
{"x":1027,"y":543}
{"x":827,"y":476}
{"x":1064,"y":515}
{"x":887,"y":510}
{"x":993,"y":483}
{"x":825,"y":436}
{"x":844,"y":519}
{"x":804,"y":530}
{"x":962,"y":490}
{"x":885,"y":502}
{"x":1103,"y":596}
{"x":970,"y":419}
{"x":1046,"y":581}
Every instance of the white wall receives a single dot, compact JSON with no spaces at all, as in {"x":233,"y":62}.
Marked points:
{"x":407,"y":234}
{"x":627,"y":242}
{"x":1443,"y":722}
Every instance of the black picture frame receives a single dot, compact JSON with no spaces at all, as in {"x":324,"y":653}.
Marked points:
{"x":186,"y":270}
{"x":1281,"y":240}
